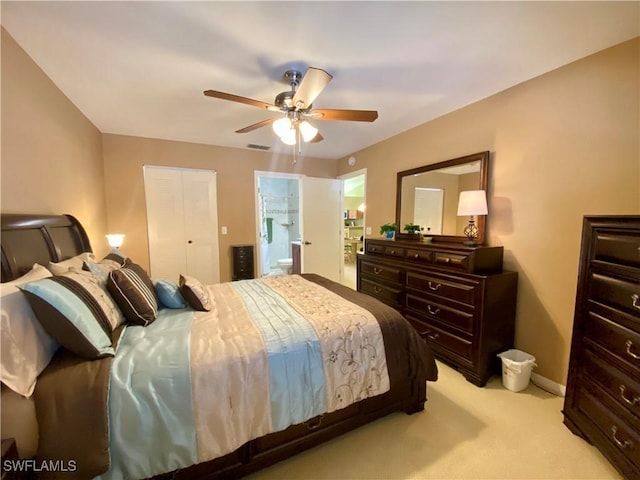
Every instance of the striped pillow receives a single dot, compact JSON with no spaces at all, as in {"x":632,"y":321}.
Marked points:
{"x":102,"y":268}
{"x":195,"y":293}
{"x":76,"y":312}
{"x":133,"y":291}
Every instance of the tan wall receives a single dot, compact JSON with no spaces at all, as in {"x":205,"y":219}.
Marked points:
{"x":563,"y":145}
{"x":51,"y":153}
{"x":125,"y":156}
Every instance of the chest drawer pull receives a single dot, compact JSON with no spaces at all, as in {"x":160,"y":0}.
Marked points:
{"x":432,"y":336}
{"x":377,"y":288}
{"x":623,"y":445}
{"x":631,"y":401}
{"x":433,"y":311}
{"x":377,"y":270}
{"x":631,"y":354}
{"x":635,"y":297}
{"x":434,"y":286}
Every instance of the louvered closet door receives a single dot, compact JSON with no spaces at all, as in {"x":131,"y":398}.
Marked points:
{"x":182,"y":223}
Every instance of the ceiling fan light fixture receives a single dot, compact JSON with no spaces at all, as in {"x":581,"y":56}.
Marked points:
{"x":289,"y":137}
{"x":308,"y":131}
{"x":282,"y":126}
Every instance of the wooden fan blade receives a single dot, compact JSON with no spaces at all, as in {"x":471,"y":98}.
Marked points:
{"x":317,"y":138}
{"x":263,"y":123}
{"x":239,"y":99}
{"x":350,"y":115}
{"x":312,"y":84}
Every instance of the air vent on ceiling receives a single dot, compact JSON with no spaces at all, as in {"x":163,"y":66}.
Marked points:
{"x":257,"y":147}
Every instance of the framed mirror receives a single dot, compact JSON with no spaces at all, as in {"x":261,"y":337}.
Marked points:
{"x":428,"y":196}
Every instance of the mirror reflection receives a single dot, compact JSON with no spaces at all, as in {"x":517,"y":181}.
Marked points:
{"x":428,"y":196}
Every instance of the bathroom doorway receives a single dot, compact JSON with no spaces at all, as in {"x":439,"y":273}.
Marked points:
{"x":278,"y":212}
{"x":354,"y":230}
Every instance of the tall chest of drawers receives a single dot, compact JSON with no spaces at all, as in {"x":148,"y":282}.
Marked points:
{"x":456,"y":297}
{"x":603,"y":387}
{"x":243,"y":267}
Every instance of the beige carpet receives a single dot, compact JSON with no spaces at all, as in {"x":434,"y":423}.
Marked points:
{"x":465,"y":432}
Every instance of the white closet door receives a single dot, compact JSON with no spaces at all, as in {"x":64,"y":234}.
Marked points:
{"x":165,"y":224}
{"x":201,"y":225}
{"x":182,"y":222}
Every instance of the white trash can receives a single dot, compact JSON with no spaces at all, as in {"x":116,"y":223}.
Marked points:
{"x":516,"y":369}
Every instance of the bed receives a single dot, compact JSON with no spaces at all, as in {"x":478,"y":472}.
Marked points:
{"x":273,"y":367}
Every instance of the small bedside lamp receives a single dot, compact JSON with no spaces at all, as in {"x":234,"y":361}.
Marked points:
{"x":471,"y":203}
{"x":115,"y":240}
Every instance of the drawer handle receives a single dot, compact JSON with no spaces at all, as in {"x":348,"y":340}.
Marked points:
{"x":623,"y":445}
{"x":445,"y":259}
{"x":631,"y":401}
{"x":433,"y":336}
{"x":377,"y":289}
{"x":631,"y":354}
{"x":417,"y":255}
{"x":377,"y":270}
{"x":635,"y":297}
{"x":433,"y":311}
{"x":373,"y":249}
{"x":393,"y":252}
{"x":435,"y":286}
{"x":314,"y":422}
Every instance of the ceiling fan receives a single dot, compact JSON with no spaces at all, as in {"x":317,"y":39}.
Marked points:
{"x":297,"y":106}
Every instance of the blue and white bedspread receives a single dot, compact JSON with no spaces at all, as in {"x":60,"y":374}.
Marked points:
{"x":274,"y":352}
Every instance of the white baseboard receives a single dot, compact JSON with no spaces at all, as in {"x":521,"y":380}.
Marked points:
{"x":548,"y":385}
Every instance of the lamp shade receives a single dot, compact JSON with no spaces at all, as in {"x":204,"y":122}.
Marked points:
{"x":472,"y":202}
{"x":308,"y":131}
{"x":282,"y":126}
{"x":115,"y":240}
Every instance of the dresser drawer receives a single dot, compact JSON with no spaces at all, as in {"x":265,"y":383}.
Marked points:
{"x":618,"y":432}
{"x":620,"y":386}
{"x":620,"y":248}
{"x":458,"y":290}
{"x":381,"y":272}
{"x":617,"y":292}
{"x":451,"y":260}
{"x":389,"y":295}
{"x":394,"y":251}
{"x":452,"y":317}
{"x":618,"y":340}
{"x":440,"y":338}
{"x":420,"y":255}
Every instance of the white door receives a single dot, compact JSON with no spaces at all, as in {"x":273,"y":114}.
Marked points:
{"x":428,"y":208}
{"x":182,"y":223}
{"x":201,"y":224}
{"x":321,"y":227}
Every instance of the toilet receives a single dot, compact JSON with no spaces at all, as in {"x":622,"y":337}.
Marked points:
{"x":285,"y":264}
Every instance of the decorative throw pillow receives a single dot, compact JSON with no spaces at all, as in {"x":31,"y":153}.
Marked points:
{"x":195,"y":293}
{"x":169,"y":294}
{"x":26,"y":348}
{"x":102,"y":268}
{"x":129,"y":287}
{"x":76,"y":311}
{"x":74,"y":262}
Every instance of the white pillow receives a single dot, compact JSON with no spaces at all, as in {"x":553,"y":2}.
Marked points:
{"x":26,"y":348}
{"x":76,"y":262}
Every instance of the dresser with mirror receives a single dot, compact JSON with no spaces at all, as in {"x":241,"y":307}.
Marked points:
{"x":455,"y":294}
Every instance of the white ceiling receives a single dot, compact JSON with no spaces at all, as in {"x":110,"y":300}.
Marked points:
{"x":139,"y":68}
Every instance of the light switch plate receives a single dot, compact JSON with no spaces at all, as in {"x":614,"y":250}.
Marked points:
{"x":224,"y":230}
{"x":368,"y":231}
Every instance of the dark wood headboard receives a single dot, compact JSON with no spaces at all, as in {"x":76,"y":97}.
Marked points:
{"x":28,"y":239}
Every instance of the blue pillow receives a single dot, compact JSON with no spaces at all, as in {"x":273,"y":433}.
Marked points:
{"x":169,"y":294}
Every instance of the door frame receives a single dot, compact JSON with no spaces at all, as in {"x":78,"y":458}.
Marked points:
{"x":355,"y":173}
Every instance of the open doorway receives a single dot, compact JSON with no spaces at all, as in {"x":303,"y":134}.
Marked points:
{"x":354,"y":207}
{"x":278,"y":217}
